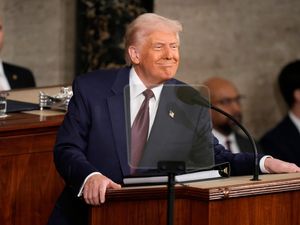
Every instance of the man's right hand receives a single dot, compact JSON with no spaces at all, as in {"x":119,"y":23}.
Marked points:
{"x":95,"y":188}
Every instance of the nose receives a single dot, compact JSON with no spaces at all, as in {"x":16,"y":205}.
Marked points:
{"x":236,"y":107}
{"x":168,"y":53}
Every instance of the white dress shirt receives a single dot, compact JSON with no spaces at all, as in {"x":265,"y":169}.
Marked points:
{"x":136,"y":98}
{"x":295,"y":120}
{"x":231,"y":137}
{"x":4,"y":85}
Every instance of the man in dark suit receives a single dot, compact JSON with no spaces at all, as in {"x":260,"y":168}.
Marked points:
{"x":283,"y":141}
{"x":13,"y":76}
{"x":91,"y":148}
{"x":225,"y":95}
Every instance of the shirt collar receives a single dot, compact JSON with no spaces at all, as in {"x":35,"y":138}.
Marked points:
{"x":1,"y":68}
{"x":222,"y":138}
{"x":295,"y":120}
{"x":137,"y":86}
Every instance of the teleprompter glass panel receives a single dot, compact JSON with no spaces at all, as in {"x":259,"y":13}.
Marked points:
{"x":180,"y":129}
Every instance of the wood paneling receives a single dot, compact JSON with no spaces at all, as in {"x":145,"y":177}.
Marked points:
{"x":29,"y":183}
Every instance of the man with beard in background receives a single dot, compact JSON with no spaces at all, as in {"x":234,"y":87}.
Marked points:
{"x":226,"y":96}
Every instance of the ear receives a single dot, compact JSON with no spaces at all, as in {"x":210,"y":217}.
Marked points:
{"x":134,"y":55}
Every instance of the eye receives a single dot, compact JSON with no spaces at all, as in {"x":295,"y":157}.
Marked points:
{"x":229,"y":101}
{"x":174,"y":46}
{"x":157,"y":47}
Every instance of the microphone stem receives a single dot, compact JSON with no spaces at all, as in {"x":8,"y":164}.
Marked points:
{"x":256,"y":164}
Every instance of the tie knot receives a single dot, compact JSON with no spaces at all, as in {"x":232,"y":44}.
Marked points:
{"x":148,"y":93}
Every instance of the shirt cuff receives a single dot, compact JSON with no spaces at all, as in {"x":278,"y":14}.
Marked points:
{"x":81,"y":188}
{"x":262,"y":164}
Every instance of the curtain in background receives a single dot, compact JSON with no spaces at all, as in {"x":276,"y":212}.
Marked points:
{"x":101,"y":26}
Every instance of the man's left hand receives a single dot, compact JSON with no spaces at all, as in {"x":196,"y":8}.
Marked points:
{"x":278,"y":166}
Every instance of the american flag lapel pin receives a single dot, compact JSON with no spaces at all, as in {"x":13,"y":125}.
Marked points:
{"x":171,"y":114}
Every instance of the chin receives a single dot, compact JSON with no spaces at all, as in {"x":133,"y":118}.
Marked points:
{"x":169,"y":76}
{"x":163,"y":78}
{"x":170,"y":72}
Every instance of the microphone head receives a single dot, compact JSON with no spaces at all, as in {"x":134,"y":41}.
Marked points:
{"x":191,"y":96}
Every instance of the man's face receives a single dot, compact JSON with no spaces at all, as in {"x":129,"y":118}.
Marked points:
{"x":228,"y":99}
{"x":1,"y":34}
{"x":157,"y":58}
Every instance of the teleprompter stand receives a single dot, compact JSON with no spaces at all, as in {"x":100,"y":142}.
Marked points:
{"x":171,"y":168}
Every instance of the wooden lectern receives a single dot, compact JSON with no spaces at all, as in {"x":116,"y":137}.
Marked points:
{"x":274,"y":200}
{"x":29,"y":182}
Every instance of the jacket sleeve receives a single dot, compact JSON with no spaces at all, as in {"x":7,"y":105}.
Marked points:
{"x":240,"y":163}
{"x":70,"y":148}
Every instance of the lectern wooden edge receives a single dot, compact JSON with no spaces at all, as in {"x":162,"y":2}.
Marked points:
{"x":273,"y":200}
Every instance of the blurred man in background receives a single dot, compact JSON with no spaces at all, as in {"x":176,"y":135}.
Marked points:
{"x":283,"y":141}
{"x":12,"y":76}
{"x":226,"y":96}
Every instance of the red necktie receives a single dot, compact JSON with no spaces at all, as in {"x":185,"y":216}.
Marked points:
{"x":139,"y":131}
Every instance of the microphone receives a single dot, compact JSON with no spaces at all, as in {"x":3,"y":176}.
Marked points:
{"x":191,"y":96}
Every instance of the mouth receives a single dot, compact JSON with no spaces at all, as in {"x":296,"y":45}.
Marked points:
{"x":167,"y":64}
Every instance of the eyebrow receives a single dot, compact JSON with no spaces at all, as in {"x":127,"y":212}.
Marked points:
{"x":164,"y":43}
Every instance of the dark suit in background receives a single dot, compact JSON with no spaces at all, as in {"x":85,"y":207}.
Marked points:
{"x":283,"y":141}
{"x":245,"y":145}
{"x":18,"y":77}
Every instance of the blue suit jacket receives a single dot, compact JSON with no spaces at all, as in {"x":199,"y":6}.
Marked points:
{"x":93,"y":138}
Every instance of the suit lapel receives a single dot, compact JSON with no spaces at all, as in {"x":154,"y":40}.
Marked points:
{"x":118,"y":121}
{"x":242,"y":143}
{"x":292,"y":134}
